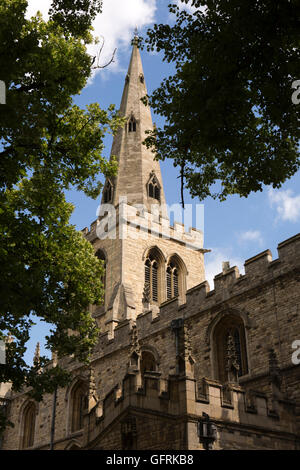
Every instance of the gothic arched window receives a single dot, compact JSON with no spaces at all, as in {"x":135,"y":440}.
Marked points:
{"x":79,"y":403}
{"x":132,"y":125}
{"x":148,"y":362}
{"x":107,"y":192}
{"x":154,"y":188}
{"x":29,"y":425}
{"x":230,"y":348}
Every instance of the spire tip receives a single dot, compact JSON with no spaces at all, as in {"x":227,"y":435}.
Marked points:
{"x":135,"y":41}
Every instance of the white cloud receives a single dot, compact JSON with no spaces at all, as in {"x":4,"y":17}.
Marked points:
{"x":213,"y":263}
{"x":287,"y":206}
{"x":251,"y":236}
{"x":115,"y":24}
{"x":38,"y":5}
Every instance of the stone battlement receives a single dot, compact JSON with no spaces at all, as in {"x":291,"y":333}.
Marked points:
{"x":257,"y":269}
{"x":127,"y":220}
{"x":179,"y":395}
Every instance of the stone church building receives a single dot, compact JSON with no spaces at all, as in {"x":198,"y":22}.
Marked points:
{"x":178,"y":365}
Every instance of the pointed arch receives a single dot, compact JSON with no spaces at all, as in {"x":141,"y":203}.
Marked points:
{"x":132,"y":124}
{"x":107,"y":192}
{"x":149,"y":360}
{"x":73,"y":445}
{"x":28,"y":422}
{"x":153,"y":187}
{"x":77,"y":395}
{"x":154,"y":249}
{"x":229,"y":339}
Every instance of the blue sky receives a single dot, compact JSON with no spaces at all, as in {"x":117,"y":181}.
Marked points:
{"x":234,"y":230}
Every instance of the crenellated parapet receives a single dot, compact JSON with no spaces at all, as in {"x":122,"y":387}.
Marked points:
{"x":134,"y":221}
{"x":258,"y":269}
{"x":178,"y":396}
{"x":230,"y":402}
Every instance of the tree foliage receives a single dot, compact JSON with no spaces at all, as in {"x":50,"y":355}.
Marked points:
{"x":231,"y":124}
{"x":47,"y":145}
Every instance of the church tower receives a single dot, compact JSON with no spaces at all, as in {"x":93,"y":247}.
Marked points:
{"x":147,"y":261}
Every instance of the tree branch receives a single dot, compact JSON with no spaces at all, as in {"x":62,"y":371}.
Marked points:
{"x":97,"y":57}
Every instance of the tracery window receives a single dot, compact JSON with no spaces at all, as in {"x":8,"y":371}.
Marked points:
{"x":29,"y":425}
{"x":79,"y":401}
{"x":230,"y":346}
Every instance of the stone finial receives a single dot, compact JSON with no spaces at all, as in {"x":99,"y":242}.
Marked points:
{"x":146,"y":293}
{"x":54,"y":358}
{"x":232,"y":365}
{"x":92,"y":382}
{"x":92,"y":390}
{"x":36,"y":357}
{"x":135,"y":37}
{"x":225,"y":266}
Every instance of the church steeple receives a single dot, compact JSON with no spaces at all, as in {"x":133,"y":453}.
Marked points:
{"x":139,"y":176}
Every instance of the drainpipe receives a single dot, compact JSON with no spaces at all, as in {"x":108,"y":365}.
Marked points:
{"x":52,"y":431}
{"x":53,"y":419}
{"x":176,"y":325}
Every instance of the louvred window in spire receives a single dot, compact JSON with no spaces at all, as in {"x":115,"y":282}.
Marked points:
{"x":107,"y":192}
{"x":154,"y":187}
{"x":132,"y":124}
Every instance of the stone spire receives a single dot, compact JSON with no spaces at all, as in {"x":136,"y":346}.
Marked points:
{"x":136,"y":162}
